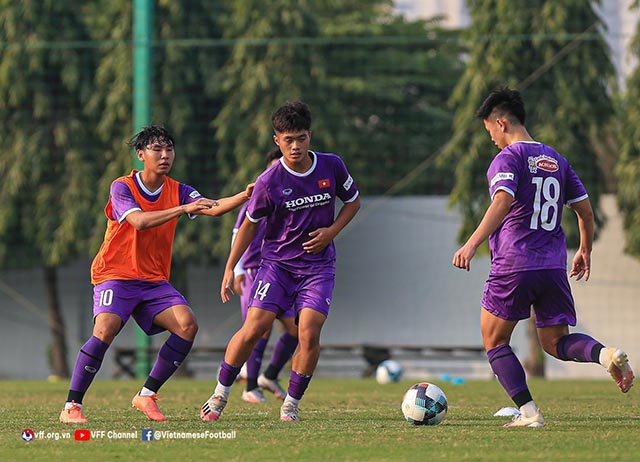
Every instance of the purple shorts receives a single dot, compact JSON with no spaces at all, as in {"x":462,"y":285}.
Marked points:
{"x":284,"y":293}
{"x":511,"y":297}
{"x":138,"y":299}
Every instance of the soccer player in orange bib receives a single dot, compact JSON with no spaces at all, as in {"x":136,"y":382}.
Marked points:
{"x":130,"y":273}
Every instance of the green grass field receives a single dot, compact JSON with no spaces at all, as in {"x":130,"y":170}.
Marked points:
{"x":341,"y":419}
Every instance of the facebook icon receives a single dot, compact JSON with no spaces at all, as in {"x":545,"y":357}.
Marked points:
{"x":147,"y":434}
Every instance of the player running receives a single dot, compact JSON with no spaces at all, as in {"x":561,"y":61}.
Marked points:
{"x":297,"y":199}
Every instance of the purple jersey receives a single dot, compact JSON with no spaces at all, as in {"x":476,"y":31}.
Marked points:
{"x":294,"y":204}
{"x":123,"y":202}
{"x":251,"y":257}
{"x":541,"y":181}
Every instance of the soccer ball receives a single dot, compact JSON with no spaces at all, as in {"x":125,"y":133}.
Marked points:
{"x":388,"y":371}
{"x":424,"y":404}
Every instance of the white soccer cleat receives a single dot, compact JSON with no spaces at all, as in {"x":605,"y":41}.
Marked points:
{"x":618,"y":367}
{"x":254,"y":396}
{"x":289,"y":412}
{"x":519,"y":420}
{"x":273,"y":386}
{"x":212,"y":408}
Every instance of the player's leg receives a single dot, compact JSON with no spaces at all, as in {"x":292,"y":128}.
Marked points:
{"x":555,"y":311}
{"x":182,"y":325}
{"x":496,"y":335}
{"x":162,"y":308}
{"x":236,"y":354}
{"x":282,"y":352}
{"x":313,"y":299}
{"x":583,"y":348}
{"x":304,"y":362}
{"x":112,"y":307}
{"x":88,"y":362}
{"x":252,"y":392}
{"x":505,"y":301}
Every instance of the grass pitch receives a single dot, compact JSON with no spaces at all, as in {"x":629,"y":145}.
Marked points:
{"x":341,"y":420}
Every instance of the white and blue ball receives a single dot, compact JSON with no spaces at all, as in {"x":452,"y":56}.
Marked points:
{"x":388,"y":371}
{"x":424,"y":404}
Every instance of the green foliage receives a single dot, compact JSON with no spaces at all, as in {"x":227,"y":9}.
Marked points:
{"x":386,"y":100}
{"x":267,"y":66}
{"x":186,"y":96}
{"x":342,"y":419}
{"x":48,"y":182}
{"x":628,"y":166}
{"x":555,"y":53}
{"x":377,"y":86}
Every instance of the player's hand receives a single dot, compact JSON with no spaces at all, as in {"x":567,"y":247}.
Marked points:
{"x":226,"y":289}
{"x":238,"y":282}
{"x":249,"y":189}
{"x":320,"y":238}
{"x":581,"y":266}
{"x":194,"y":208}
{"x":462,"y":258}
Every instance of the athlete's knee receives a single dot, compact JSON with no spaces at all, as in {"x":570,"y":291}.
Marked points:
{"x":491,"y":342}
{"x":550,"y":347}
{"x":105,"y":335}
{"x":106,"y":327}
{"x":187,"y":329}
{"x":550,"y":337}
{"x":252,"y":332}
{"x":309,"y":340}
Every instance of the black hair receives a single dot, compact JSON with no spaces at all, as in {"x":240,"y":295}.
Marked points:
{"x":505,"y":102}
{"x":150,"y":135}
{"x":272,"y":155}
{"x":291,"y":117}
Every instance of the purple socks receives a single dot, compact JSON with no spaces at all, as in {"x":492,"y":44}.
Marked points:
{"x":87,"y":365}
{"x":510,"y":374}
{"x":228,"y":374}
{"x":579,"y":348}
{"x":254,"y":363}
{"x":298,"y":384}
{"x":170,"y":357}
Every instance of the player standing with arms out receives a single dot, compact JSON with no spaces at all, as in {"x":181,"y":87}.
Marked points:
{"x":130,"y":273}
{"x":244,"y":275}
{"x":529,"y":183}
{"x":297,"y":198}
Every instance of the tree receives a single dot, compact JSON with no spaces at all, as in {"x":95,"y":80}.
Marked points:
{"x":387,"y":83}
{"x":46,"y":164}
{"x":377,"y":85}
{"x":628,"y":166}
{"x":274,"y":67}
{"x":185,"y":97}
{"x":555,"y":53}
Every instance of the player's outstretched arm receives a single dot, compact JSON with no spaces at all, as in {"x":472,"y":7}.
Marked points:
{"x":226,"y":204}
{"x":144,"y":220}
